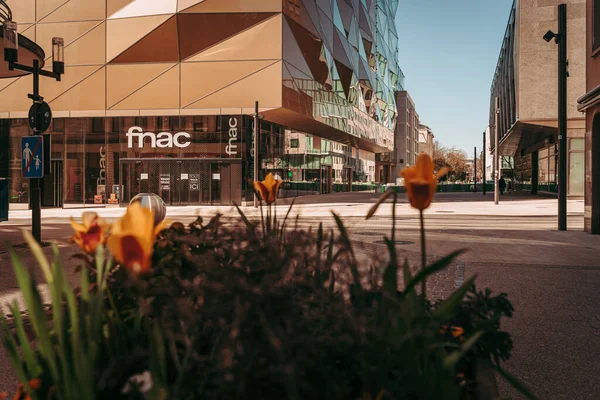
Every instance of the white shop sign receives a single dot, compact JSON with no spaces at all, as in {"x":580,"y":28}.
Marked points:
{"x":161,"y":140}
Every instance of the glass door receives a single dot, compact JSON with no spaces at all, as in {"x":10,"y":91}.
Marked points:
{"x":215,"y":183}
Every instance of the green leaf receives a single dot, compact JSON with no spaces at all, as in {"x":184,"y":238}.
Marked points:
{"x":449,"y":306}
{"x":36,"y":311}
{"x":390,"y":276}
{"x":33,"y":367}
{"x":410,"y":294}
{"x":348,"y":246}
{"x":12,"y":349}
{"x":516,"y":383}
{"x":38,"y":253}
{"x":432,"y":269}
{"x":389,"y":193}
{"x":451,"y":360}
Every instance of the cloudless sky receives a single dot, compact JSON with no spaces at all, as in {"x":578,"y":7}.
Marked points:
{"x":448,"y":50}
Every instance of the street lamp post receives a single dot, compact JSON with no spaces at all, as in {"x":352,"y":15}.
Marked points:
{"x":11,"y":56}
{"x":497,"y":167}
{"x":560,"y":38}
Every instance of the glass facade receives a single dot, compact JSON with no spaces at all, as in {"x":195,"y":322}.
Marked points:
{"x":107,"y":160}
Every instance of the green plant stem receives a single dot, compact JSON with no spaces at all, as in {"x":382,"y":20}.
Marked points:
{"x":423,"y":257}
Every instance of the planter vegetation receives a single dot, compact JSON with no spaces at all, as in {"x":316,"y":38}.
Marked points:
{"x":259,"y":310}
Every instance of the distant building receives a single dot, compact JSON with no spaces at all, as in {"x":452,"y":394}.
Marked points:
{"x":526,"y":81}
{"x":426,"y":144}
{"x":407,"y":132}
{"x":590,"y":104}
{"x":406,"y":141}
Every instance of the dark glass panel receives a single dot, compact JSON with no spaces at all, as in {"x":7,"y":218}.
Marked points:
{"x":197,"y":32}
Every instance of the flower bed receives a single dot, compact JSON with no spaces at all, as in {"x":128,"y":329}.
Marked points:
{"x":261,"y":310}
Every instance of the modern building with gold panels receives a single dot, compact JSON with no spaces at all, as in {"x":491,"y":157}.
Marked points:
{"x":157,"y":95}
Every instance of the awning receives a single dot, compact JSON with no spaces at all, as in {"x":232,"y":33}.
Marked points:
{"x":524,"y":138}
{"x":588,"y":100}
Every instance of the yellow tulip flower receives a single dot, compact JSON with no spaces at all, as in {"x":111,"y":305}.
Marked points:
{"x":132,"y":239}
{"x":421,"y":182}
{"x":92,"y":232}
{"x":268,"y":188}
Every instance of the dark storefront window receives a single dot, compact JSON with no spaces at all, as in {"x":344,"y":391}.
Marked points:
{"x":186,"y":160}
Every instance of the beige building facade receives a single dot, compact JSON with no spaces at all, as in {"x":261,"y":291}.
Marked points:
{"x":158,"y":95}
{"x":426,"y":140}
{"x":526,"y":82}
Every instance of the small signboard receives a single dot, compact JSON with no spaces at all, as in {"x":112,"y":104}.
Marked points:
{"x":40,"y":116}
{"x":184,"y":176}
{"x":194,"y":185}
{"x":165,"y":182}
{"x":32,"y":156}
{"x":216,"y":176}
{"x":144,"y":176}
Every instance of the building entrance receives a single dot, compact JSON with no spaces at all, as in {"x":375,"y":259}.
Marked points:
{"x":182,"y":182}
{"x":52,"y":185}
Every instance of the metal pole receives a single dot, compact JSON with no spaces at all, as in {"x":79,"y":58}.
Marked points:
{"x":484,"y":166}
{"x":475,"y":169}
{"x":562,"y":117}
{"x":36,"y":212}
{"x":497,"y":167}
{"x":256,"y":140}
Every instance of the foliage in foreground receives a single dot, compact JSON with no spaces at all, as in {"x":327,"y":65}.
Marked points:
{"x":259,"y":310}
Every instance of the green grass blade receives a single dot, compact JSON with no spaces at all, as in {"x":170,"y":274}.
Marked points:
{"x":38,"y":253}
{"x":12,"y":349}
{"x":449,"y":306}
{"x":33,"y":303}
{"x":516,"y":383}
{"x":389,"y":193}
{"x":451,"y":360}
{"x":33,"y":366}
{"x":432,"y":269}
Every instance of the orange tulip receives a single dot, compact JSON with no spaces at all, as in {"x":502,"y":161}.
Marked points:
{"x":457,"y":331}
{"x":92,"y":232}
{"x":268,"y":188}
{"x":132,"y":238}
{"x":420,"y":182}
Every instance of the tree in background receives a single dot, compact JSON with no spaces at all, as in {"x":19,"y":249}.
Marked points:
{"x":451,"y":157}
{"x":480,"y":167}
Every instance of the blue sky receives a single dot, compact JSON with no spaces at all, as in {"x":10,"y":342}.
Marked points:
{"x":448,"y":51}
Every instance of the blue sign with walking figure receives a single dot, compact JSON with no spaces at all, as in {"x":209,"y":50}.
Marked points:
{"x":32,"y":156}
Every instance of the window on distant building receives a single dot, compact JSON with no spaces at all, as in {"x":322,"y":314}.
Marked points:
{"x":596,"y":24}
{"x":294,"y":143}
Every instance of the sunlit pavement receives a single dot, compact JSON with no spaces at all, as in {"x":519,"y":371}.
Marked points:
{"x":552,"y":277}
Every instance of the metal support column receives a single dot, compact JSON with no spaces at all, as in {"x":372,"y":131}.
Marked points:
{"x":256,"y":140}
{"x":475,"y":169}
{"x":497,"y":167}
{"x":36,"y":208}
{"x":562,"y":117}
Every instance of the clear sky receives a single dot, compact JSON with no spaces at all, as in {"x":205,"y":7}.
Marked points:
{"x":448,"y":50}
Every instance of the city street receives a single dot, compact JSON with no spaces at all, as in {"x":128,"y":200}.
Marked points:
{"x":552,"y":277}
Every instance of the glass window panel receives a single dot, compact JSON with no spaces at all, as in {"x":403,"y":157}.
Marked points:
{"x":75,"y":129}
{"x":95,"y":162}
{"x":576,"y":174}
{"x":577,"y":144}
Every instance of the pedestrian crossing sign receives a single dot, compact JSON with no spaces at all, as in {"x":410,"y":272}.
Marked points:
{"x":32,"y":156}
